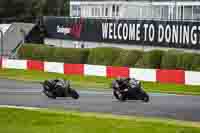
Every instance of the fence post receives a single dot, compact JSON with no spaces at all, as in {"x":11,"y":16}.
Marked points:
{"x":1,"y":32}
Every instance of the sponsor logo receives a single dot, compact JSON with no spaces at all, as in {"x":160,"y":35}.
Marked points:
{"x":73,"y":30}
{"x":62,"y":29}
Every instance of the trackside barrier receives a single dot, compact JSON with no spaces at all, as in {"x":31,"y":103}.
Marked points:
{"x":192,"y":78}
{"x":170,"y":76}
{"x":74,"y":69}
{"x":54,"y":67}
{"x":35,"y":65}
{"x":16,"y":64}
{"x":143,"y":74}
{"x":152,"y":75}
{"x":117,"y":71}
{"x":94,"y":70}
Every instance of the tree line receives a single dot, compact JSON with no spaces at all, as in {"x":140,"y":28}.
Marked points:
{"x":25,"y":9}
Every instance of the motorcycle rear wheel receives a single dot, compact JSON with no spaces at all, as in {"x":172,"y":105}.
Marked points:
{"x":122,"y":98}
{"x":50,"y":95}
{"x":116,"y":95}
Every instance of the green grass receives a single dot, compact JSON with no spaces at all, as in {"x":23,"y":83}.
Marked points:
{"x":94,"y":82}
{"x":42,"y":121}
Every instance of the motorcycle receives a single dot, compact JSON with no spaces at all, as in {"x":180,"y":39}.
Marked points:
{"x":58,"y":88}
{"x":133,"y":91}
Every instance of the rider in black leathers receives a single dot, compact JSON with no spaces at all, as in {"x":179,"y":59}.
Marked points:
{"x":120,"y":84}
{"x":57,"y":86}
{"x":125,"y":86}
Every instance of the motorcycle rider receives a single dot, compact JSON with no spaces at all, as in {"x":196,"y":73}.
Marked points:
{"x":57,"y":86}
{"x":123,"y":86}
{"x":120,"y":83}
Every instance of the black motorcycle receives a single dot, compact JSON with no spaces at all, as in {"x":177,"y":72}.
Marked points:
{"x":132,"y":91}
{"x":59,"y":88}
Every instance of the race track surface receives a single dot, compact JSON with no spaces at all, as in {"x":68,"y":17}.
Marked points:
{"x":160,"y":105}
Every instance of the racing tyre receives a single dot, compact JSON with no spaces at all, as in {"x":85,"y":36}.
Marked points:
{"x":143,"y":96}
{"x":116,"y":95}
{"x":121,"y":98}
{"x":74,"y":94}
{"x":146,"y":98}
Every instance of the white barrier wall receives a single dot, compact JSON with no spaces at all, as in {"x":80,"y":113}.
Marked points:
{"x":95,"y":70}
{"x":14,"y":64}
{"x":143,"y":74}
{"x":54,"y":67}
{"x":192,"y":78}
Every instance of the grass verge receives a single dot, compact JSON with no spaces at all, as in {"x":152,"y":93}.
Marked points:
{"x":94,"y":82}
{"x":14,"y":120}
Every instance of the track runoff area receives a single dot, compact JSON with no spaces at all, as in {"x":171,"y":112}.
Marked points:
{"x":23,"y":94}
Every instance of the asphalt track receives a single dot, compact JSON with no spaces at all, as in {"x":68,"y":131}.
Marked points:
{"x":160,"y":105}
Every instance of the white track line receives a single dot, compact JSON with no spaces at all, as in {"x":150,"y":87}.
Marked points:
{"x":19,"y":107}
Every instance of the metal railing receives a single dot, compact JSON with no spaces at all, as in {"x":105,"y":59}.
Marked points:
{"x":167,"y":10}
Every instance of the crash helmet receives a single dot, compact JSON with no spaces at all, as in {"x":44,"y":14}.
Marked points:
{"x":120,"y":79}
{"x":135,"y":82}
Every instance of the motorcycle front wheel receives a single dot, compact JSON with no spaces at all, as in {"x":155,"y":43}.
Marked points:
{"x":74,"y":94}
{"x":145,"y":97}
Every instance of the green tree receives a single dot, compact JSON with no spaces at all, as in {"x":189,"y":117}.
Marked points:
{"x":33,"y":8}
